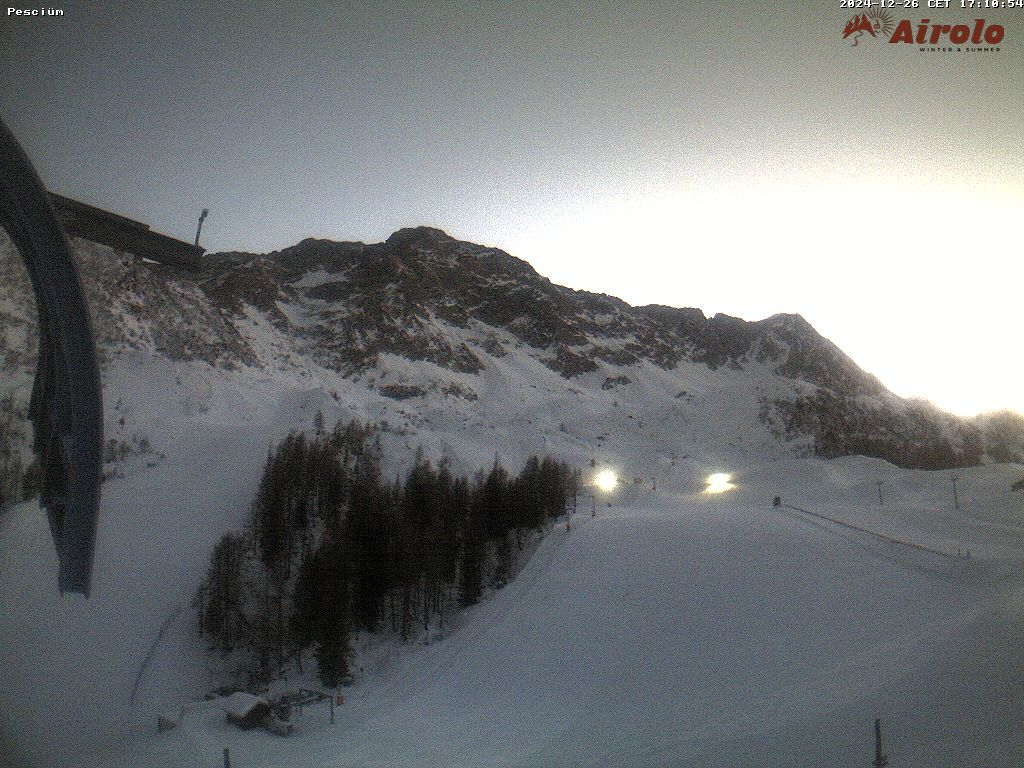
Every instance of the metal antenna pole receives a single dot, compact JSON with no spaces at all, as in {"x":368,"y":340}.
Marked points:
{"x":202,"y":218}
{"x":956,"y":497}
{"x":880,"y":760}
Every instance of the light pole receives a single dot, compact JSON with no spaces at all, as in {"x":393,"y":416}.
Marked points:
{"x":202,"y":218}
{"x":593,"y":500}
{"x":881,"y":759}
{"x":607,"y":481}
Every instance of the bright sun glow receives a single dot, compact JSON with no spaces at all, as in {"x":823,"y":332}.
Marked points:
{"x":606,"y":480}
{"x":778,"y":251}
{"x":719,"y":482}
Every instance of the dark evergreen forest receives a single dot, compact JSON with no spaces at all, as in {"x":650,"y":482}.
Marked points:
{"x":333,"y":548}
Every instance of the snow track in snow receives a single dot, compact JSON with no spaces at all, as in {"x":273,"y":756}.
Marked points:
{"x":175,"y":612}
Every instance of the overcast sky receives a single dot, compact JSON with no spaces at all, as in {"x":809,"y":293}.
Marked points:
{"x":741,"y":158}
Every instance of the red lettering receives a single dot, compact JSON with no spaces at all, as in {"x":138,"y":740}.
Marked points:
{"x":994,"y":34}
{"x":922,"y":30}
{"x":979,"y":24}
{"x":903,"y":33}
{"x":958,"y":35}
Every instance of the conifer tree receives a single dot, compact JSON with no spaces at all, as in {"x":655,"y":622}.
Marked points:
{"x":337,"y":547}
{"x":221,"y":600}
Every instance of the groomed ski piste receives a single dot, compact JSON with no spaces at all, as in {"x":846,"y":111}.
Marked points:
{"x":673,"y":628}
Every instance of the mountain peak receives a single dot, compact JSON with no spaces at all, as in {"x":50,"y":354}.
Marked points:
{"x":408,"y":235}
{"x":790,"y":321}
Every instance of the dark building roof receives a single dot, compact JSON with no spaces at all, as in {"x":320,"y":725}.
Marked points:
{"x":124,"y":234}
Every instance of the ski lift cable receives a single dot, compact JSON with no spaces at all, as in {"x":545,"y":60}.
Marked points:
{"x":890,"y":539}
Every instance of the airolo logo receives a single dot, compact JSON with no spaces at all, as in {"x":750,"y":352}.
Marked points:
{"x":875,"y":22}
{"x":957,"y":34}
{"x":879,"y":23}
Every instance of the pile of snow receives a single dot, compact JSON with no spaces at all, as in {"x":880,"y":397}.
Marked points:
{"x":240,"y":704}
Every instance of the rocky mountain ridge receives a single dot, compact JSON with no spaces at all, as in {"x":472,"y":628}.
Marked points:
{"x":392,"y":291}
{"x":426,"y":318}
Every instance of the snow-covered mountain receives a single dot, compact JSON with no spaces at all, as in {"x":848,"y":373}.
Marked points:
{"x":424,"y":330}
{"x":734,"y":622}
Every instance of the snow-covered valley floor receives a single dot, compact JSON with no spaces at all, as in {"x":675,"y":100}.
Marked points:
{"x":674,"y":628}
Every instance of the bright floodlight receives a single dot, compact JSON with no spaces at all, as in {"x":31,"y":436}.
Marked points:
{"x":606,"y":480}
{"x":719,"y":482}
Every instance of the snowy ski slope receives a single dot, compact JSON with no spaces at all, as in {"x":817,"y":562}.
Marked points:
{"x":674,"y":628}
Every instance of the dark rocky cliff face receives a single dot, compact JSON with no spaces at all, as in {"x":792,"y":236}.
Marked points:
{"x":373,"y":299}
